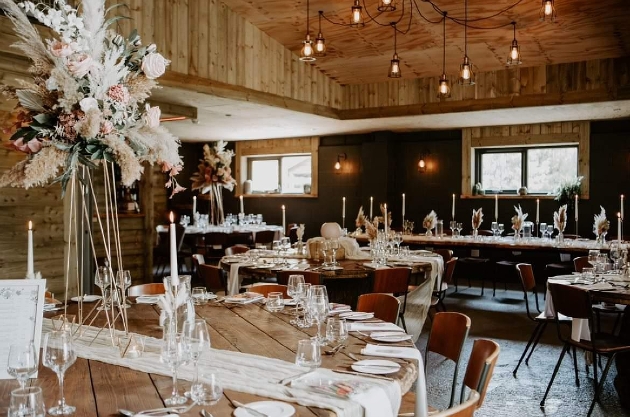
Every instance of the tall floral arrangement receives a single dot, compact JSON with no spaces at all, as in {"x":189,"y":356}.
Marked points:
{"x":600,"y":223}
{"x":429,"y":222}
{"x":477,"y":218}
{"x":518,"y":219}
{"x":86,"y":101}
{"x":560,"y":218}
{"x":214,"y":174}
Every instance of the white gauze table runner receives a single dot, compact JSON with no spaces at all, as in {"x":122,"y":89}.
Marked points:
{"x":237,"y":371}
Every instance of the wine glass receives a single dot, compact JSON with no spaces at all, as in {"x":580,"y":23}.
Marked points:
{"x":501,"y":229}
{"x":293,"y":291}
{"x":123,"y":281}
{"x":334,"y":247}
{"x":27,"y":402}
{"x":453,"y":227}
{"x":319,"y":308}
{"x":303,"y":293}
{"x":550,"y":230}
{"x":58,"y":355}
{"x":103,"y":280}
{"x":174,"y":352}
{"x":198,"y":340}
{"x":22,"y":362}
{"x":495,"y":228}
{"x":460,"y":227}
{"x":398,"y":239}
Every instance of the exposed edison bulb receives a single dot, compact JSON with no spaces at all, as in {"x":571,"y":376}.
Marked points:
{"x":548,"y":8}
{"x":514,"y":52}
{"x":306,"y":54}
{"x":394,"y":67}
{"x":443,"y":87}
{"x":356,"y":15}
{"x":466,"y":72}
{"x":422,"y":164}
{"x":337,"y":165}
{"x":444,"y":90}
{"x":386,"y":2}
{"x":320,"y":46}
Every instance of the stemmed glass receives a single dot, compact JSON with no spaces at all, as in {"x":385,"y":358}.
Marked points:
{"x":542,"y":229}
{"x":549,"y":230}
{"x":453,"y":227}
{"x":198,"y":339}
{"x":398,"y":239}
{"x":615,"y":254}
{"x":495,"y":228}
{"x":501,"y":229}
{"x":334,"y":247}
{"x":58,"y":355}
{"x":103,"y":280}
{"x":22,"y":362}
{"x":123,"y":281}
{"x":285,"y":245}
{"x":319,"y":308}
{"x":175,"y":352}
{"x":460,"y":227}
{"x":293,"y":291}
{"x":303,"y":294}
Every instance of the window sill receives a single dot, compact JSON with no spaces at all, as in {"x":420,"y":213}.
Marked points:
{"x":513,"y":197}
{"x":279,"y":195}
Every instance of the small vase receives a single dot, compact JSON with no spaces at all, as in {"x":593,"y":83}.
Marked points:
{"x":475,"y":233}
{"x":601,"y":238}
{"x":428,"y":233}
{"x":560,"y":237}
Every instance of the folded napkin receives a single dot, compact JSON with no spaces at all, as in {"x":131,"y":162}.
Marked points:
{"x":147,"y":299}
{"x":391,"y":351}
{"x":368,"y":327}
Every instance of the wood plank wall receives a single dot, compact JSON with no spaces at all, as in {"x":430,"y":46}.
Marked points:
{"x":591,"y":75}
{"x":205,"y":38}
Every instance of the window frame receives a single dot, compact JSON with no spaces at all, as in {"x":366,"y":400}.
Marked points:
{"x":279,"y":158}
{"x":480,"y":151}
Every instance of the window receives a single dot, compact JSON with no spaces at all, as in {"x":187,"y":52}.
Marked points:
{"x":540,"y":169}
{"x":283,"y":174}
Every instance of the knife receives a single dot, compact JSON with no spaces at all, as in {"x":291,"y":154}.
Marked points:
{"x":238,"y":404}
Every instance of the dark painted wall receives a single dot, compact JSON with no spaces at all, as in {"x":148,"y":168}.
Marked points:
{"x":384,"y":165}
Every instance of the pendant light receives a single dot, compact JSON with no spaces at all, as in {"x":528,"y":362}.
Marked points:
{"x":307,"y":53}
{"x":444,"y":89}
{"x":320,"y":42}
{"x":356,"y":18}
{"x":548,"y":11}
{"x":466,"y":74}
{"x":394,"y":65}
{"x":514,"y":58}
{"x":386,"y":6}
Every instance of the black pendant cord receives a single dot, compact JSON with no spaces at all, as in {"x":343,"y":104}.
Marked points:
{"x":444,"y":45}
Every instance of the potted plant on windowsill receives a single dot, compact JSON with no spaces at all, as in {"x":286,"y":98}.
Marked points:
{"x":566,"y":191}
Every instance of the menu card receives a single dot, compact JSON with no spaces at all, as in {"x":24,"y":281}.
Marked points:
{"x":21,"y":315}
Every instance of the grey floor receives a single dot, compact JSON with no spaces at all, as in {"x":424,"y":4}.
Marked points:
{"x":504,"y":320}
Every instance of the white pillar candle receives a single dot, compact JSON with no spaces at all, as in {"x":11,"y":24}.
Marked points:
{"x":496,"y":207}
{"x":343,"y":207}
{"x":453,"y":208}
{"x":537,"y":210}
{"x":576,"y":207}
{"x":619,"y":227}
{"x":194,"y":210}
{"x":371,"y":206}
{"x":173,"y":235}
{"x":385,"y":219}
{"x":284,"y":220}
{"x":30,"y":269}
{"x":403,"y":208}
{"x":242,"y":206}
{"x":622,"y":198}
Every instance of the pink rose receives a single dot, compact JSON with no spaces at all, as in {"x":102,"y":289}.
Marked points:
{"x":81,"y":65}
{"x":107,"y":127}
{"x":152,"y":116}
{"x":60,"y":49}
{"x":154,"y":65}
{"x":32,"y":146}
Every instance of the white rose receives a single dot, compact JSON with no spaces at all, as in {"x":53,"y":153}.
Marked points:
{"x":88,"y":103}
{"x":81,"y":65}
{"x":154,"y":65}
{"x":60,"y":49}
{"x":152,"y":116}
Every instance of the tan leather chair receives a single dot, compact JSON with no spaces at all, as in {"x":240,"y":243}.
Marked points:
{"x":465,"y":409}
{"x":448,"y":334}
{"x":213,"y":277}
{"x":384,"y":306}
{"x":156,"y":288}
{"x":310,"y":277}
{"x":265,"y":289}
{"x":395,"y":281}
{"x":580,"y":263}
{"x":483,"y":358}
{"x":235,"y":250}
{"x":437,"y":299}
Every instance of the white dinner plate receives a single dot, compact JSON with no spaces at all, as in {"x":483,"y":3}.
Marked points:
{"x":269,"y":408}
{"x":87,"y":298}
{"x":376,"y":366}
{"x":210,"y":296}
{"x":289,"y":302}
{"x":354,"y":315}
{"x":390,"y":337}
{"x":332,"y":268}
{"x":147,"y":299}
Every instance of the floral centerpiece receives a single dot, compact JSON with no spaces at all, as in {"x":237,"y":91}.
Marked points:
{"x":601,"y":225}
{"x":85,"y":104}
{"x":560,"y":220}
{"x":429,"y":222}
{"x":477,"y":219}
{"x":517,"y":221}
{"x":213,"y":175}
{"x":371,"y":226}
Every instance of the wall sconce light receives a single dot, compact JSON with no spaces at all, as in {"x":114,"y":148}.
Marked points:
{"x":339,"y":158}
{"x":422,"y":162}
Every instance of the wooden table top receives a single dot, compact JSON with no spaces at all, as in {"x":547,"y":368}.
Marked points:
{"x":600,"y":291}
{"x":100,"y":389}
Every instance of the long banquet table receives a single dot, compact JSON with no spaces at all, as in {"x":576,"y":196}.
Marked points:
{"x":100,"y":389}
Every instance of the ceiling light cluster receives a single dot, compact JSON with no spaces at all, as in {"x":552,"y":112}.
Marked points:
{"x":312,"y":50}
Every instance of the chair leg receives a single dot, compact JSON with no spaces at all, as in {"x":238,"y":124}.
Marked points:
{"x":531,"y":338}
{"x":483,"y":282}
{"x":597,"y":321}
{"x":598,"y":387}
{"x":402,"y":320}
{"x":555,"y":371}
{"x":540,"y":333}
{"x":575,"y":367}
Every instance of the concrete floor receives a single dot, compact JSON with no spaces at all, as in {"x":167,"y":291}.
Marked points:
{"x":503,"y":319}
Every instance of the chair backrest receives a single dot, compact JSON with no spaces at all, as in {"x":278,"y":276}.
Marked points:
{"x":465,"y":409}
{"x":446,"y":254}
{"x":449,"y":270}
{"x":264,"y":237}
{"x":310,"y":277}
{"x":233,"y":250}
{"x":198,"y":259}
{"x":213,"y":277}
{"x":394,"y":280}
{"x":384,"y":306}
{"x":215,"y":239}
{"x":580,"y":263}
{"x":528,"y":283}
{"x":483,"y":358}
{"x":448,"y":334}
{"x":240,"y":238}
{"x":146,"y":289}
{"x":293,"y":237}
{"x":265,"y":289}
{"x":570,"y":300}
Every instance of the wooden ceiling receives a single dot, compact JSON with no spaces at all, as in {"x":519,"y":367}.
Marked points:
{"x":585,"y":29}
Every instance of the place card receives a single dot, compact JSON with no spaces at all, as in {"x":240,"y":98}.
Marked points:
{"x":21,"y":315}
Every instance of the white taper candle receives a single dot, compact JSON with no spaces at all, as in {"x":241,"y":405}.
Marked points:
{"x":403,"y":208}
{"x":496,"y":207}
{"x":576,"y":207}
{"x":173,"y":235}
{"x":284,"y":220}
{"x":242,"y":205}
{"x":30,"y":269}
{"x":371,"y":206}
{"x":537,"y":210}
